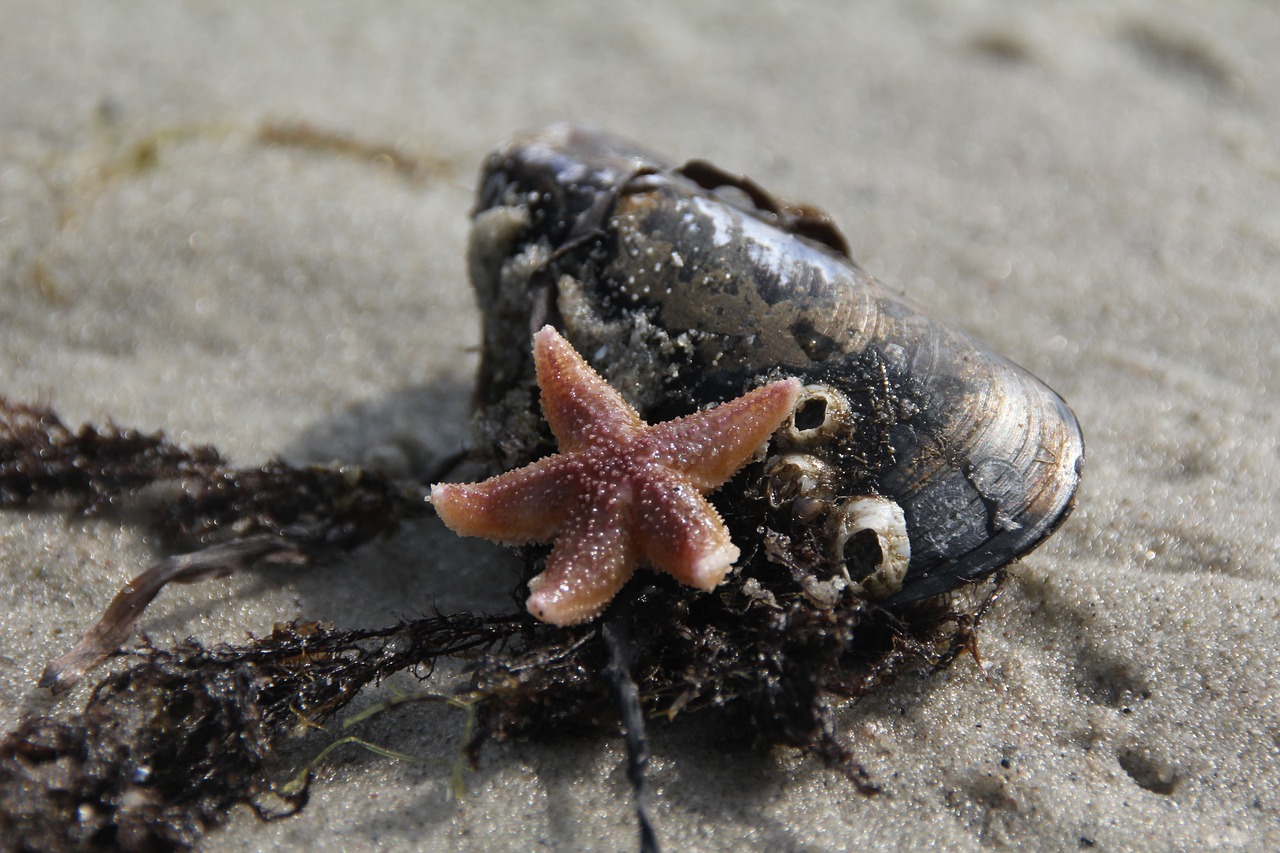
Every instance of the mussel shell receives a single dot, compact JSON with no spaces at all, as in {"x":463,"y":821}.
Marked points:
{"x":687,"y":287}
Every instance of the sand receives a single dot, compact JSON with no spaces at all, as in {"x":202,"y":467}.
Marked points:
{"x":245,"y":224}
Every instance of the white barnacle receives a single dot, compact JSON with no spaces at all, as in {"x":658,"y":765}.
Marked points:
{"x":869,"y":537}
{"x":823,"y":414}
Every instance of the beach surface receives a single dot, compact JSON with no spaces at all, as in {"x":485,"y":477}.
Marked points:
{"x":245,"y":225}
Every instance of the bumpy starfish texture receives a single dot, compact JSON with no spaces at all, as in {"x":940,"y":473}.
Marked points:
{"x":620,"y":492}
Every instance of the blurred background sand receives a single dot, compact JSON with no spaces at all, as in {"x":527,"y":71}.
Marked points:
{"x":245,"y":224}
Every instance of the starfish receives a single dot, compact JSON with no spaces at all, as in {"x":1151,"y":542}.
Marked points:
{"x":620,"y":492}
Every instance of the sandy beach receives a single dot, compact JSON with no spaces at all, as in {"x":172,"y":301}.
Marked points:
{"x":245,"y":225}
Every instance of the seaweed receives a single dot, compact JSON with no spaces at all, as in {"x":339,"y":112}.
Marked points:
{"x":166,"y":746}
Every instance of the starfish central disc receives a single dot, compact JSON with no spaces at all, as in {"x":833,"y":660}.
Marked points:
{"x":620,"y":492}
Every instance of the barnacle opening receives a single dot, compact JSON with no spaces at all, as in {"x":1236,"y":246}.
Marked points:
{"x":811,"y":415}
{"x":862,"y":552}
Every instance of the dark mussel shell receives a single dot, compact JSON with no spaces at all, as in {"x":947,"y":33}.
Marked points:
{"x":688,"y":286}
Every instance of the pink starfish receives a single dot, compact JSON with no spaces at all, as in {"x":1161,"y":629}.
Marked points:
{"x":620,"y":491}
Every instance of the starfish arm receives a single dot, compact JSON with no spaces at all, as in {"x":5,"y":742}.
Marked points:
{"x":580,"y":406}
{"x":528,"y":504}
{"x":678,"y":532}
{"x":592,"y":560}
{"x":711,"y":445}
